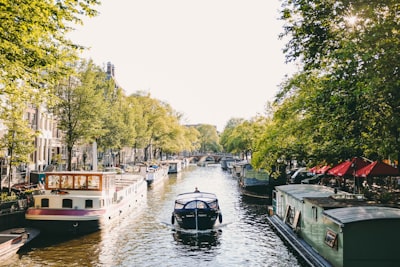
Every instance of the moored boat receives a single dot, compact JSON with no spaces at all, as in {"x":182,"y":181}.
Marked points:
{"x":330,"y":227}
{"x":258,"y":184}
{"x":156,"y":173}
{"x":174,"y":166}
{"x":84,"y":202}
{"x":196,"y":210}
{"x":11,"y":240}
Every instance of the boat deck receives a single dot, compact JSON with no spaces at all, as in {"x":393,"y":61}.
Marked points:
{"x":303,"y":249}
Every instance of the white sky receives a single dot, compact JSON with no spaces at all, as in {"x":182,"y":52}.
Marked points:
{"x":211,"y":60}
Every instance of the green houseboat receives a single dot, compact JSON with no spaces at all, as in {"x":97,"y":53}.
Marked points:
{"x":342,"y":228}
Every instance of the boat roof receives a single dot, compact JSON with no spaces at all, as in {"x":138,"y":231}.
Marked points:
{"x":204,"y":196}
{"x":301,"y":191}
{"x":362,"y":213}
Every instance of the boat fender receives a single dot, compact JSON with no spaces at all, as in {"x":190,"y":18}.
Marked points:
{"x":75,"y":224}
{"x":220,"y":218}
{"x":172,"y":219}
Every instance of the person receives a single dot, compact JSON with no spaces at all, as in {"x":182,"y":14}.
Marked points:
{"x":196,"y":190}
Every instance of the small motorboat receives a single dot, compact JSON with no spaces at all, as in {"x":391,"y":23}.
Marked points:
{"x":196,"y":210}
{"x":11,"y":240}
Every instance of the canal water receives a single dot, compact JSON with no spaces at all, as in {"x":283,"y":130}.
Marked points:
{"x":147,"y":239}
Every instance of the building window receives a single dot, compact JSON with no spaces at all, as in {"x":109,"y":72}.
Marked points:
{"x":67,"y":203}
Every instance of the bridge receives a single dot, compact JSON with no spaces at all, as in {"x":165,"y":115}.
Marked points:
{"x":214,"y":158}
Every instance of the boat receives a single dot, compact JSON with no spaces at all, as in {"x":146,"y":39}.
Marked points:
{"x":330,"y":227}
{"x":196,"y":210}
{"x":258,"y":184}
{"x":156,"y":174}
{"x":227,"y":162}
{"x":11,"y":240}
{"x":174,"y":166}
{"x":84,"y":202}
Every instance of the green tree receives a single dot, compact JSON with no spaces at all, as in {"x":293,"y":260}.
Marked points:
{"x":81,"y":107}
{"x":349,"y":81}
{"x":209,"y":139}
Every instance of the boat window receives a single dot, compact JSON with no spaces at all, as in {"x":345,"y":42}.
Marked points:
{"x":178,"y":206}
{"x":80,"y":182}
{"x":44,"y":202}
{"x":67,"y":203}
{"x":66,"y":181}
{"x":213,"y":205}
{"x":315,"y":213}
{"x":53,"y":181}
{"x":331,"y":238}
{"x":88,"y":203}
{"x":94,"y":182}
{"x":201,"y":205}
{"x":191,"y":205}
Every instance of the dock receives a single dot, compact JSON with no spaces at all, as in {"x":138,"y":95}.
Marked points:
{"x":302,"y":248}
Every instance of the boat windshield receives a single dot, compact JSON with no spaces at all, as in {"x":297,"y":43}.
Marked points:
{"x":196,"y":204}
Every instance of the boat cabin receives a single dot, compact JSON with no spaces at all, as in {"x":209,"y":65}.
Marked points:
{"x":343,"y":228}
{"x":78,"y":190}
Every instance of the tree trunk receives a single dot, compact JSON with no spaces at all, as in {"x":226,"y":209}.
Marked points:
{"x":69,"y":161}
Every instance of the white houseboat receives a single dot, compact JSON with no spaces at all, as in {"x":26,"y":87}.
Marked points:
{"x":83,"y":202}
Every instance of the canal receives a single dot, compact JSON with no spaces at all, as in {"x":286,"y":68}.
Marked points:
{"x":148,"y":239}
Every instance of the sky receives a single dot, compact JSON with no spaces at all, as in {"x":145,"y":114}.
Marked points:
{"x":211,"y":60}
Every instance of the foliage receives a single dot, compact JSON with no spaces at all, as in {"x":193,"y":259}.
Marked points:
{"x":34,"y":54}
{"x":80,"y":108}
{"x":209,"y":139}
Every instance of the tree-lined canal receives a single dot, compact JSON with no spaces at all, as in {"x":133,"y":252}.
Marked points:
{"x":147,"y":239}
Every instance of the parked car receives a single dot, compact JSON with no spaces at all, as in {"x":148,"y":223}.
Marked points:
{"x":314,"y":179}
{"x":300,"y":175}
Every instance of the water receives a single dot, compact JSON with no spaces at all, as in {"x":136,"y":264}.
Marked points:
{"x":148,"y":239}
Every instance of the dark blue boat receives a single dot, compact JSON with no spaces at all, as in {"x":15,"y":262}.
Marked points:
{"x":196,"y":210}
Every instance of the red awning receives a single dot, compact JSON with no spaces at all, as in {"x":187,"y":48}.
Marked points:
{"x":376,"y":169}
{"x":323,"y":169}
{"x":313,"y":169}
{"x":348,"y":167}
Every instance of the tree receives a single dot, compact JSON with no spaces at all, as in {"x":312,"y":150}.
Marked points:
{"x":81,"y":108}
{"x":349,"y":80}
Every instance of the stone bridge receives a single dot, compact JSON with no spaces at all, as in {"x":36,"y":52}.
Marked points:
{"x":214,"y":158}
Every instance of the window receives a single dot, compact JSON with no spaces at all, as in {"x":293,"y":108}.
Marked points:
{"x":44,"y":202}
{"x":53,"y":182}
{"x":331,"y":238}
{"x":88,"y":203}
{"x":315,"y":213}
{"x":67,"y":203}
{"x":94,"y":182}
{"x":66,"y":181}
{"x":80,"y":182}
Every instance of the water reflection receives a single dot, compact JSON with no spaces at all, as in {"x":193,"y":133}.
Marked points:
{"x":197,"y":239}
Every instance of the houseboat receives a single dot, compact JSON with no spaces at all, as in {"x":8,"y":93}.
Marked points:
{"x":335,"y":228}
{"x":83,"y":202}
{"x":196,"y":210}
{"x":155,"y":174}
{"x":174,"y":166}
{"x":258,"y":184}
{"x":226,"y":163}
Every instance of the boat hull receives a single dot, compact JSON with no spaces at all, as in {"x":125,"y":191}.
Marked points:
{"x":66,"y":227}
{"x":196,"y":219}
